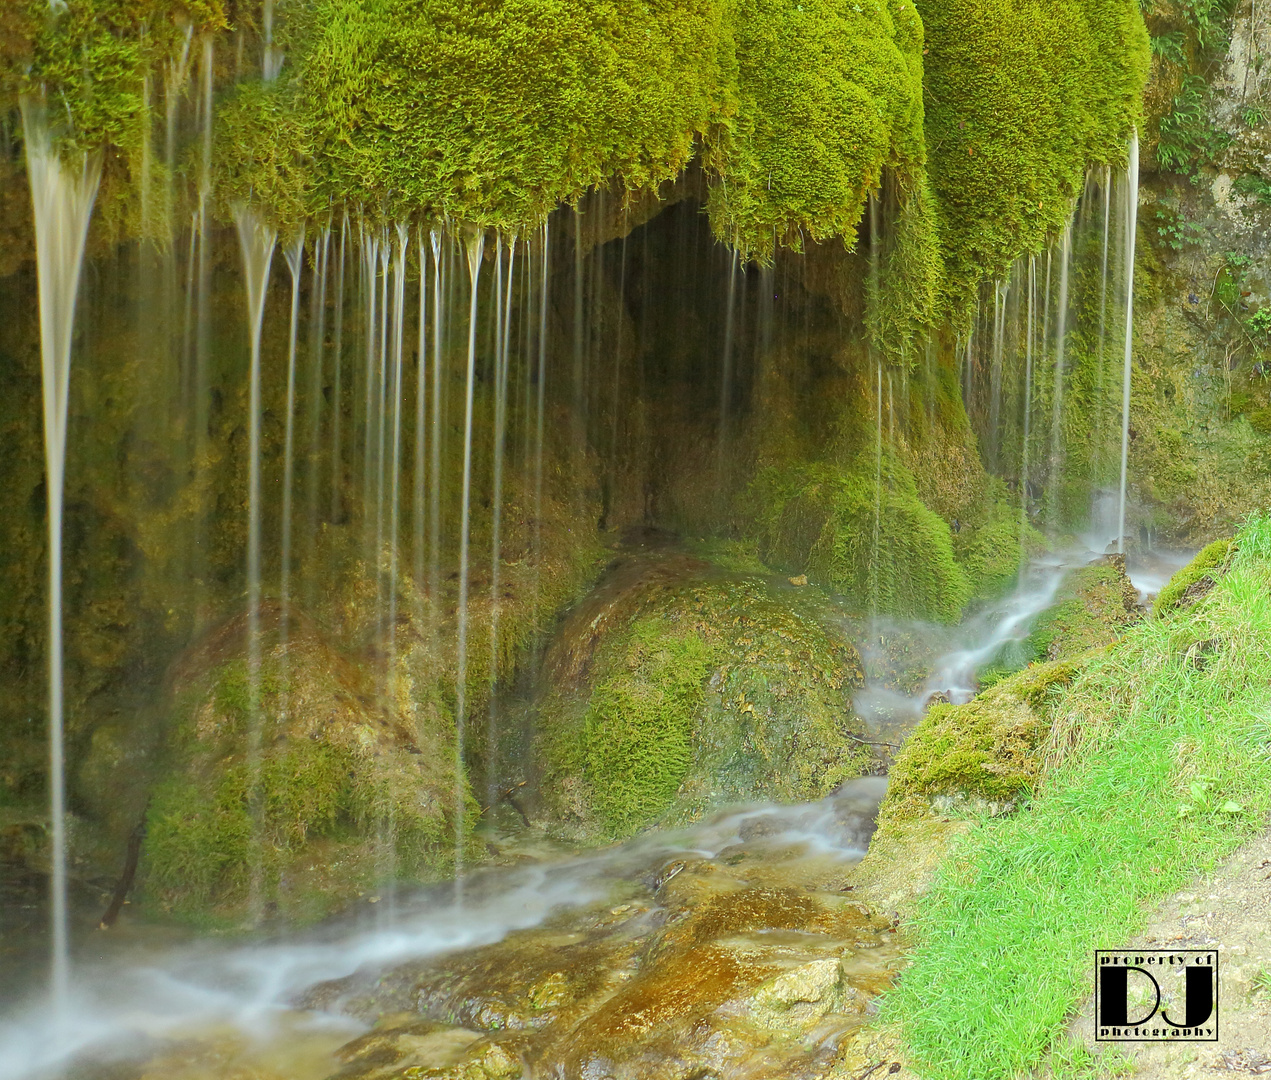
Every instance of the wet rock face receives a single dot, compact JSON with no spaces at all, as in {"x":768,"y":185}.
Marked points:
{"x":1094,"y":605}
{"x":755,"y":958}
{"x":677,"y":687}
{"x":299,"y":800}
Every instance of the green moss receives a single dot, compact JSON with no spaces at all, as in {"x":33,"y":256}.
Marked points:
{"x":1207,"y":563}
{"x":716,"y":691}
{"x":1021,"y":97}
{"x":334,"y":798}
{"x":987,"y":749}
{"x":1093,"y":607}
{"x":497,"y":114}
{"x":988,"y":543}
{"x":828,"y":94}
{"x":90,"y":58}
{"x":637,"y":734}
{"x":821,"y":519}
{"x":432,"y":109}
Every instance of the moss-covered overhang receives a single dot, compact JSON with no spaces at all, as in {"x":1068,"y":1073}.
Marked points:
{"x":494,"y":112}
{"x":1022,"y":97}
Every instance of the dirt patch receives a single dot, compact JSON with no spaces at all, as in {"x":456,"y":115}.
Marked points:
{"x":1228,"y":910}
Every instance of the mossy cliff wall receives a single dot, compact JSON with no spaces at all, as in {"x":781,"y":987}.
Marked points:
{"x":430,"y":113}
{"x":1201,"y":408}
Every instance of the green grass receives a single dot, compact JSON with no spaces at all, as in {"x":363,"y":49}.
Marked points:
{"x":1006,"y":933}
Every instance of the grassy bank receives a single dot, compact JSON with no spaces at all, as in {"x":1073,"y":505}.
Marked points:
{"x":1159,"y":766}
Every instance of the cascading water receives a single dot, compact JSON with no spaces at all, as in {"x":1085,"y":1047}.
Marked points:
{"x":294,"y":254}
{"x":475,"y":246}
{"x":257,"y":241}
{"x":1131,"y":228}
{"x":62,"y":198}
{"x":1057,"y":394}
{"x":502,"y":359}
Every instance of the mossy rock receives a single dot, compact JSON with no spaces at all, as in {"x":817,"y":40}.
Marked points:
{"x":878,"y":545}
{"x":711,"y":689}
{"x":984,"y":754}
{"x":298,"y":802}
{"x":1195,"y":579}
{"x":1093,"y":607}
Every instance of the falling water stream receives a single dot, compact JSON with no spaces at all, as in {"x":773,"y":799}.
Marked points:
{"x":257,"y":241}
{"x":1131,"y":228}
{"x":62,"y":200}
{"x":475,"y":249}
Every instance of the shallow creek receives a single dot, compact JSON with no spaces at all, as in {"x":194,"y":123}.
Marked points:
{"x":733,"y":948}
{"x":723,"y":945}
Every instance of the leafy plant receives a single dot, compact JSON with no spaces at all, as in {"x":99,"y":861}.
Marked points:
{"x":1209,"y":18}
{"x":1187,"y":139}
{"x":1255,"y":185}
{"x":1259,"y":323}
{"x":1202,"y":800}
{"x":1254,"y":115}
{"x":1170,"y":48}
{"x":1172,"y":228}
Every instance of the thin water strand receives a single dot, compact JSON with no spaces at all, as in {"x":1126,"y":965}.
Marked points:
{"x":475,"y":248}
{"x":294,"y":254}
{"x":257,"y":241}
{"x":1131,"y":229}
{"x":496,"y":513}
{"x":62,"y":199}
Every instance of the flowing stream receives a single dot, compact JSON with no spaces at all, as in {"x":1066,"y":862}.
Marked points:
{"x":133,"y":1001}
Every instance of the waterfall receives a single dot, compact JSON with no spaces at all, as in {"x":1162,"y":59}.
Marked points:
{"x":1100,"y":434}
{"x":317,"y":367}
{"x":1131,"y":230}
{"x":294,"y":253}
{"x":434,"y":505}
{"x":337,"y":395}
{"x":1057,"y":398}
{"x":257,"y":241}
{"x":726,"y":374}
{"x":1028,"y":394}
{"x":617,"y":352}
{"x":500,"y":434}
{"x":370,"y":296}
{"x":381,"y":405}
{"x":421,"y":412}
{"x":878,"y":491}
{"x":1000,"y":291}
{"x":399,"y":333}
{"x":271,"y":59}
{"x":539,"y":418}
{"x":475,"y":248}
{"x":62,"y":198}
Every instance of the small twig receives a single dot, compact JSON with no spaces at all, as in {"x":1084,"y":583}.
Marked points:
{"x":126,"y":878}
{"x":868,"y":742}
{"x":508,"y":798}
{"x":894,"y":1067}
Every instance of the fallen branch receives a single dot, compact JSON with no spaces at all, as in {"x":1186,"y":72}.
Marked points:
{"x":124,"y":885}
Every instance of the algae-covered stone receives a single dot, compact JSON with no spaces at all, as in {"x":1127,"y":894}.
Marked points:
{"x":1196,"y":578}
{"x":683,"y":688}
{"x":1093,"y":607}
{"x":302,"y":799}
{"x":862,"y":531}
{"x":799,"y":998}
{"x":405,"y":1047}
